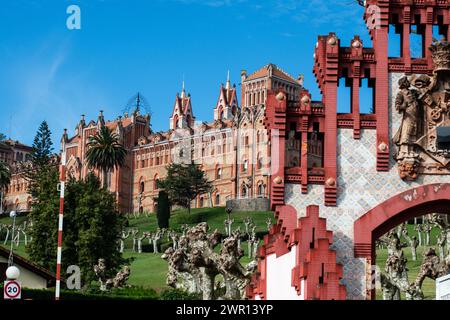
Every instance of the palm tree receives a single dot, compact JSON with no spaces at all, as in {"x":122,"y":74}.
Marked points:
{"x":105,"y":152}
{"x":5,"y":179}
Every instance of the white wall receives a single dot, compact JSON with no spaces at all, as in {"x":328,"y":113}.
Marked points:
{"x":27,"y":278}
{"x":279,"y":271}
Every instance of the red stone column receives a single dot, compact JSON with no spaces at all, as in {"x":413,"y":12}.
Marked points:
{"x":429,"y":37}
{"x":406,"y":39}
{"x":330,"y":99}
{"x":304,"y":155}
{"x":382,"y":96}
{"x":355,"y":105}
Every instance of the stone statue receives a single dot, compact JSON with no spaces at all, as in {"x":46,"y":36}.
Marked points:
{"x":406,"y":103}
{"x":424,"y":109}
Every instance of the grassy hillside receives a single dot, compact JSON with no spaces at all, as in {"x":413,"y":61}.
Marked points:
{"x":148,"y":270}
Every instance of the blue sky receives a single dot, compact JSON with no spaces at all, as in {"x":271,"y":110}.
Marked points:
{"x":124,"y":46}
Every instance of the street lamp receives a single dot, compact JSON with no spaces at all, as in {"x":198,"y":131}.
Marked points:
{"x":13,"y":215}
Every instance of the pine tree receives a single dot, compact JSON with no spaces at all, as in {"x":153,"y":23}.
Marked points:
{"x":42,"y":145}
{"x":40,"y":163}
{"x":43,"y":178}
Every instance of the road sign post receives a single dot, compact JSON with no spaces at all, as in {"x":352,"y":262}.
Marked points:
{"x":12,"y":290}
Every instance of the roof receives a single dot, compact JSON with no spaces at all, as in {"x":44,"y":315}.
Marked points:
{"x":27,"y":264}
{"x":16,"y":144}
{"x":227,"y":94}
{"x":184,"y":104}
{"x":276,"y":71}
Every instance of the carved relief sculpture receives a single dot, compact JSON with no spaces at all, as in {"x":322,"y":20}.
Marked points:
{"x":424,"y":106}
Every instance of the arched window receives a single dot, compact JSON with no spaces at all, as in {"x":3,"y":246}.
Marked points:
{"x":245,"y":166}
{"x":261,"y":190}
{"x":217,"y":199}
{"x":219,"y":173}
{"x":201,"y":202}
{"x":259,"y":163}
{"x":142,"y":187}
{"x":244,"y":191}
{"x":155,"y":182}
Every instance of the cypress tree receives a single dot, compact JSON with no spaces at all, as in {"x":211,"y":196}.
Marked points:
{"x":163,"y":210}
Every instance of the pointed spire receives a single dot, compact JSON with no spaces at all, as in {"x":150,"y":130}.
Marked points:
{"x":183,"y":92}
{"x":228,"y":86}
{"x":138,"y":103}
{"x":65,"y":137}
{"x":101,"y":119}
{"x":82,"y":122}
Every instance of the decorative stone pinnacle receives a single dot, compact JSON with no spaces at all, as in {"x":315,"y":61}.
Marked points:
{"x":440,"y":53}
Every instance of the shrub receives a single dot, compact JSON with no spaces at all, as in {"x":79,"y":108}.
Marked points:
{"x":187,"y":218}
{"x":165,"y":246}
{"x":176,"y":294}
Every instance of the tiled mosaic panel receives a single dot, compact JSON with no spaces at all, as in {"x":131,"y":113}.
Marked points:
{"x":360,"y":188}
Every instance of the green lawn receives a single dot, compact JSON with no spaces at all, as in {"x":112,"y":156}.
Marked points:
{"x":214,"y":216}
{"x":149,"y":270}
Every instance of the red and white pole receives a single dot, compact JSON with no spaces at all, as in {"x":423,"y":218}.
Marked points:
{"x":62,"y":178}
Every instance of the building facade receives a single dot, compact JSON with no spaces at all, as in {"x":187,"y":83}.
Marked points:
{"x":14,"y":154}
{"x":233,"y":150}
{"x":378,"y":169}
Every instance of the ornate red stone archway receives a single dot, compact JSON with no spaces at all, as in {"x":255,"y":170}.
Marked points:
{"x":398,"y":209}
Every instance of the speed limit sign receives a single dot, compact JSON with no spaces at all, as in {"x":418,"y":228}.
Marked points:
{"x":12,"y":290}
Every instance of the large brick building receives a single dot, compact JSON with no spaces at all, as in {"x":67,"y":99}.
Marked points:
{"x":233,"y":149}
{"x":14,"y":153}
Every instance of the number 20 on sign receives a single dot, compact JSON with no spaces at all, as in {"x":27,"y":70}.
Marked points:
{"x":12,"y":290}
